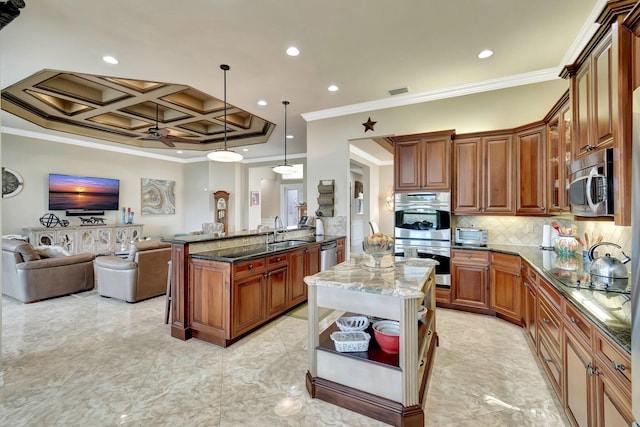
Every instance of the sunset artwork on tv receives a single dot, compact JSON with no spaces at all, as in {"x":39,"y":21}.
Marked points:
{"x":67,"y":192}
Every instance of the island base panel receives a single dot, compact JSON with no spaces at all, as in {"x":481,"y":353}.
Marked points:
{"x":178,"y":331}
{"x":364,"y":403}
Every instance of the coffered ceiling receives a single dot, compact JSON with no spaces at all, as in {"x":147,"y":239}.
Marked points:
{"x":368,"y":48}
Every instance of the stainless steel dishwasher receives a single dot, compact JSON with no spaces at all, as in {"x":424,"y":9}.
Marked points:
{"x":328,"y":255}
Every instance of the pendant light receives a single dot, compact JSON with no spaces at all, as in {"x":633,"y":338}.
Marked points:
{"x":225,"y":154}
{"x":285,"y":167}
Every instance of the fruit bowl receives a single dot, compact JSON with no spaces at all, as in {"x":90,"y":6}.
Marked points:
{"x":378,"y":245}
{"x":352,"y":323}
{"x":387,"y":335}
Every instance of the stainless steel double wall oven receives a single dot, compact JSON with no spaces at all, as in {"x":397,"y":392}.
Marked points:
{"x":423,"y":222}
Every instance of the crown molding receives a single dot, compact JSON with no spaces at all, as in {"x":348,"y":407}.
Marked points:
{"x":434,"y":95}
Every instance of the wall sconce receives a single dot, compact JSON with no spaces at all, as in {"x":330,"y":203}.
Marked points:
{"x":389,"y":203}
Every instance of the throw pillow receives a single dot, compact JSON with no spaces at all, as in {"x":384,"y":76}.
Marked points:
{"x":27,"y":252}
{"x":51,"y":251}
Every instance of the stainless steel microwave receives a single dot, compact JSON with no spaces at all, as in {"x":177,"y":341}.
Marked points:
{"x":591,"y":184}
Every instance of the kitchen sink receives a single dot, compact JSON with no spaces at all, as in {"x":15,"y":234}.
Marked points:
{"x":286,"y":244}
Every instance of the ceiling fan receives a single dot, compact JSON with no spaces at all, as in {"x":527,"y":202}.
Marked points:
{"x":162,"y":135}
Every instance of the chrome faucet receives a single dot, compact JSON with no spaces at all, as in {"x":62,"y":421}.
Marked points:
{"x":277,"y":222}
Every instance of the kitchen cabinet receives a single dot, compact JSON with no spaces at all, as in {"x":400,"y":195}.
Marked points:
{"x":579,"y":382}
{"x":423,"y":162}
{"x":529,"y":309}
{"x":387,"y":387}
{"x":248,"y":294}
{"x":483,"y":174}
{"x":505,"y":291}
{"x":530,"y":170}
{"x":598,"y":374}
{"x":600,"y":92}
{"x":470,"y":279}
{"x":340,"y":254}
{"x":302,"y":263}
{"x":558,"y":156}
{"x":277,"y":284}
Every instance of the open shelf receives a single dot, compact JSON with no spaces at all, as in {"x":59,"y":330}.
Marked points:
{"x":375,"y":354}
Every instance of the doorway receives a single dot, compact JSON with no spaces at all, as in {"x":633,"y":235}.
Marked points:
{"x":290,"y":196}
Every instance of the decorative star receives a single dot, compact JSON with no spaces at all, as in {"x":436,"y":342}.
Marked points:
{"x":368,"y":125}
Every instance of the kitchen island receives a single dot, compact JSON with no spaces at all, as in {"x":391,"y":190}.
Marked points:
{"x":386,"y":387}
{"x":222,"y":288}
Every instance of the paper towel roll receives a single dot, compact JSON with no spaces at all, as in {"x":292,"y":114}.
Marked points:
{"x":546,"y":236}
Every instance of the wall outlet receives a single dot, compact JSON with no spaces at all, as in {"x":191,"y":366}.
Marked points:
{"x":529,"y":228}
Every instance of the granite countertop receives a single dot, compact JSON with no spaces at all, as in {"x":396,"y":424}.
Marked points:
{"x":249,"y":252}
{"x":196,"y":238}
{"x":609,"y":310}
{"x":402,"y":278}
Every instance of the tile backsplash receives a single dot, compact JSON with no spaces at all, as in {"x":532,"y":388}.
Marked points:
{"x":527,"y":231}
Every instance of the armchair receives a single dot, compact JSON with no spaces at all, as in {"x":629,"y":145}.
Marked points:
{"x":142,"y":275}
{"x":30,"y":276}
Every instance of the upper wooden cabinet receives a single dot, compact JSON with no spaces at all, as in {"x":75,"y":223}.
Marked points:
{"x":483,"y":174}
{"x":530,"y":170}
{"x":558,"y":156}
{"x":423,"y":161}
{"x":601,"y":99}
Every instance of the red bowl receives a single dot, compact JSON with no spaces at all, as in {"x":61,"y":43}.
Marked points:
{"x":387,"y":335}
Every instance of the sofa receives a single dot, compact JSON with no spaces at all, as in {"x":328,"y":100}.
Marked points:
{"x":32,"y":274}
{"x":139,"y":276}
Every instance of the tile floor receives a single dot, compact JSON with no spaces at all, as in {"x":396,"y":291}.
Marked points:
{"x":84,"y":360}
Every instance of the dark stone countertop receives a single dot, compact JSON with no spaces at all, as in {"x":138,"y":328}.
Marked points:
{"x":249,"y":252}
{"x":610,"y":311}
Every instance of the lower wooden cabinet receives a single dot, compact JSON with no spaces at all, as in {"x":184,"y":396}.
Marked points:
{"x":506,"y":287}
{"x":340,"y":255}
{"x":529,"y":302}
{"x":247,"y":303}
{"x":470,"y":279}
{"x":579,"y":382}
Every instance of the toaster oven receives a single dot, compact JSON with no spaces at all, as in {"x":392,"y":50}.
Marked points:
{"x":471,"y":236}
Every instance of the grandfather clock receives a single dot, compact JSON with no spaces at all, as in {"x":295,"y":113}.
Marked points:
{"x":221,"y":200}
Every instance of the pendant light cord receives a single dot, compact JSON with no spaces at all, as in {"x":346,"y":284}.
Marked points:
{"x":225,"y":68}
{"x":285,"y":130}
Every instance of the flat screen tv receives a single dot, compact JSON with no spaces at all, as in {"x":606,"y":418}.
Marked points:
{"x":68,"y":192}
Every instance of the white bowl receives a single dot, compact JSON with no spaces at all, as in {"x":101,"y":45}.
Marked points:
{"x":422,"y":312}
{"x":353,"y":323}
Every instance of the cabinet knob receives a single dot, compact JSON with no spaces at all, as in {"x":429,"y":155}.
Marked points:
{"x":542,"y":208}
{"x":574,"y":320}
{"x":429,"y":332}
{"x":250,"y":266}
{"x":278,"y":259}
{"x":545,"y":320}
{"x":618,"y":366}
{"x":517,"y":276}
{"x":548,"y":360}
{"x":526,"y":285}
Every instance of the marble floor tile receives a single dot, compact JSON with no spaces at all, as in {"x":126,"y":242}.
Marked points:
{"x":84,"y":360}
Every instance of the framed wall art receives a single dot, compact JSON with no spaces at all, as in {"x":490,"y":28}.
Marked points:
{"x":158,"y":197}
{"x":255,"y":198}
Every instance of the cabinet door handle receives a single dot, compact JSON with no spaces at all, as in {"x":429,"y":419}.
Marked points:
{"x":542,"y":208}
{"x":429,"y":332}
{"x":517,"y":276}
{"x":421,"y":363}
{"x":250,"y":266}
{"x":545,"y":320}
{"x":574,"y":320}
{"x":618,"y":366}
{"x":526,"y":285}
{"x":548,"y":360}
{"x":278,"y":259}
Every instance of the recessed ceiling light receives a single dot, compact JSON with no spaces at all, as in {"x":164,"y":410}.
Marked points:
{"x":333,"y":88}
{"x":262,"y":102}
{"x":179,"y":151}
{"x":485,"y":54}
{"x":110,"y":59}
{"x":245,"y":149}
{"x":289,"y":136}
{"x":293,"y":51}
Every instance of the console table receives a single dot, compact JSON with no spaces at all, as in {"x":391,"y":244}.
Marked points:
{"x":97,"y":239}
